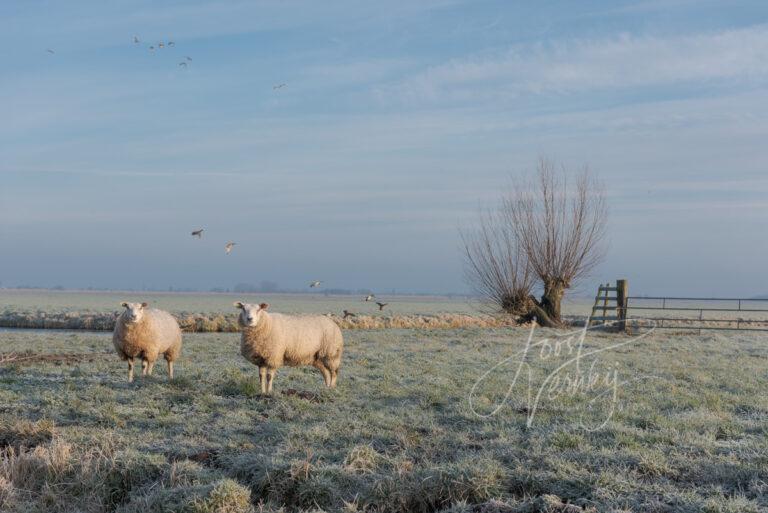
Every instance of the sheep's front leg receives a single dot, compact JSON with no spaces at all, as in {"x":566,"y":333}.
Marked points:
{"x":170,"y":369}
{"x":144,"y":365}
{"x":270,"y":379}
{"x":150,"y":367}
{"x":263,"y":380}
{"x":130,"y":370}
{"x":326,"y":374}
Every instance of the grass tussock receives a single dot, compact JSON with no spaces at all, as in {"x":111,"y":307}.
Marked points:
{"x":22,"y":434}
{"x":60,"y":476}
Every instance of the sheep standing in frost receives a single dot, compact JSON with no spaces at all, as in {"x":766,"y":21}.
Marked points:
{"x":271,"y":340}
{"x":146,"y":333}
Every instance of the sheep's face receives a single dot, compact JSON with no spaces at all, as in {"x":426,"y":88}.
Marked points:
{"x":134,"y":312}
{"x":250,"y":315}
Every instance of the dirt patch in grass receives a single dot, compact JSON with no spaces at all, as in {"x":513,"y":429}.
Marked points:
{"x":304,"y":394}
{"x":34,"y":358}
{"x":205,"y":456}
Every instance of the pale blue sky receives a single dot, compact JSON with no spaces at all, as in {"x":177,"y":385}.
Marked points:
{"x":398,"y":119}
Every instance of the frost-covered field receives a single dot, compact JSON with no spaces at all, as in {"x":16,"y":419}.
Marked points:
{"x":201,"y":302}
{"x":688,"y":430}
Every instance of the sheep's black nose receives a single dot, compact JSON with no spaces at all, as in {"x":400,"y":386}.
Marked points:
{"x":250,"y":318}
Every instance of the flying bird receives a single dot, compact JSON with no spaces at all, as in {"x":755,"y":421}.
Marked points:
{"x":50,"y":51}
{"x":136,"y":40}
{"x":198,"y":233}
{"x":151,"y":48}
{"x":381,"y":305}
{"x":369,"y":297}
{"x":188,"y":58}
{"x":161,"y":45}
{"x":278,"y":86}
{"x":315,"y":284}
{"x":171,"y":43}
{"x":228,"y":247}
{"x":348,"y":314}
{"x":183,"y":64}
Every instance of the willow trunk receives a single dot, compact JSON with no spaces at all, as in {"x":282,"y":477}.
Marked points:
{"x":552,"y":299}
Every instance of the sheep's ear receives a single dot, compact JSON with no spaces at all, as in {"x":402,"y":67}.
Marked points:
{"x":264,"y":306}
{"x":144,"y":305}
{"x":124,"y":305}
{"x":239,"y":304}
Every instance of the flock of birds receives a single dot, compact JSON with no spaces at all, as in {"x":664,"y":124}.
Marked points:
{"x":227,"y":247}
{"x":347,"y":313}
{"x":160,"y":45}
{"x":313,"y":284}
{"x":163,"y":44}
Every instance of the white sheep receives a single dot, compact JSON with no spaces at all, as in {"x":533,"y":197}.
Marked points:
{"x":271,"y":340}
{"x":146,"y":333}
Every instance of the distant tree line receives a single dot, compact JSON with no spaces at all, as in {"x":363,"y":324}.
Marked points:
{"x":263,"y":286}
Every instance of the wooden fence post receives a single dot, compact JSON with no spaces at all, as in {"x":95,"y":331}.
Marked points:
{"x":622,"y":292}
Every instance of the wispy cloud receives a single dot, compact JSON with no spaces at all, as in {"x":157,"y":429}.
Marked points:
{"x":587,"y":65}
{"x":723,"y":186}
{"x":354,"y":73}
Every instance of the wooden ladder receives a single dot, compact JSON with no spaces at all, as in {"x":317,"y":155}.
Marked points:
{"x":609,"y":304}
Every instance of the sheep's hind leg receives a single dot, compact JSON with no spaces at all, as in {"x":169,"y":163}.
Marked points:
{"x":170,"y":369}
{"x":144,"y":365}
{"x":270,"y":379}
{"x":130,"y":370}
{"x":150,"y":368}
{"x":326,"y":373}
{"x":334,"y":375}
{"x":263,"y":380}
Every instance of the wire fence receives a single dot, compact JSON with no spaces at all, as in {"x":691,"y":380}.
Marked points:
{"x":711,"y":313}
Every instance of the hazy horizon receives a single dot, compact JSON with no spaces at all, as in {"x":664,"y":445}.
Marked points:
{"x":395,"y":124}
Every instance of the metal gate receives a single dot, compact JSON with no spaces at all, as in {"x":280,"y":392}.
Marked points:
{"x":698,"y":313}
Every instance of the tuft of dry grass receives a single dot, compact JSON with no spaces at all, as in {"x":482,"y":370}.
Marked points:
{"x":225,"y":496}
{"x":21,"y":434}
{"x":220,"y":323}
{"x":438,"y":321}
{"x":60,"y":476}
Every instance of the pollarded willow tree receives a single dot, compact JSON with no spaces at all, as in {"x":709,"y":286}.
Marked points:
{"x":495,"y":265}
{"x":548,"y":232}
